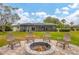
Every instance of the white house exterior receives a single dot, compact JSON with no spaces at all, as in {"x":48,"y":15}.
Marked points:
{"x":34,"y":27}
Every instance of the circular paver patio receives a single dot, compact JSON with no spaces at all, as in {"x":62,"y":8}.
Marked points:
{"x":30,"y":51}
{"x":73,"y":50}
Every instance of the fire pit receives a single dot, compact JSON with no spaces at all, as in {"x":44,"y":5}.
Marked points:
{"x":39,"y":47}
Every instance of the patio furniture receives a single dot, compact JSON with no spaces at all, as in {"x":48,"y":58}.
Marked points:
{"x":46,"y":36}
{"x":65,"y":41}
{"x":1,"y":53}
{"x":59,"y":41}
{"x":23,"y":43}
{"x":11,"y":40}
{"x":30,"y":37}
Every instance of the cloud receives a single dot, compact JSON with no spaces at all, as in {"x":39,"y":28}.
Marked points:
{"x":20,"y":10}
{"x":44,"y":14}
{"x":57,"y":11}
{"x":26,"y":14}
{"x":64,"y":10}
{"x":34,"y":17}
{"x":24,"y":20}
{"x":73,"y":5}
{"x":74,"y":17}
{"x":41,"y":14}
{"x":33,"y":13}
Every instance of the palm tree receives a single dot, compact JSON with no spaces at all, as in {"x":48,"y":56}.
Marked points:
{"x":71,"y":23}
{"x":63,"y":21}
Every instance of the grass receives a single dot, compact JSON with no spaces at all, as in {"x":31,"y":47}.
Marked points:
{"x":54,"y":35}
{"x":16,"y":34}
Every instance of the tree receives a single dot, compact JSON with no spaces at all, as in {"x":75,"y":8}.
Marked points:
{"x":63,"y":22}
{"x":7,"y":9}
{"x":7,"y":16}
{"x":15,"y":17}
{"x":1,"y":6}
{"x":54,"y":21}
{"x":71,"y":23}
{"x":51,"y":20}
{"x":4,"y":19}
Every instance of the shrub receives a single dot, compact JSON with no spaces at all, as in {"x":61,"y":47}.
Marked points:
{"x":8,"y":28}
{"x":77,"y":29}
{"x":64,"y":30}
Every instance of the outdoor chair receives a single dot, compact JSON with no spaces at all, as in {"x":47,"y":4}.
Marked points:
{"x":65,"y":41}
{"x":1,"y":53}
{"x":46,"y":36}
{"x":11,"y":40}
{"x":59,"y":41}
{"x":30,"y":37}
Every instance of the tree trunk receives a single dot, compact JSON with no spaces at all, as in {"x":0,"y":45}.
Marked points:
{"x":3,"y":28}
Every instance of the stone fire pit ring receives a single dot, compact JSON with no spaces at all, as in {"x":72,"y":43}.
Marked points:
{"x":50,"y":48}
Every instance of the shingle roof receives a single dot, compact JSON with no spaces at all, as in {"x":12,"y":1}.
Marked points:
{"x":35,"y":24}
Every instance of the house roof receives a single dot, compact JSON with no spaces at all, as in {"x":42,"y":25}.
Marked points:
{"x":35,"y":24}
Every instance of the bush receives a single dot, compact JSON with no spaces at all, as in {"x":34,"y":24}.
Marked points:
{"x":64,"y":30}
{"x":7,"y":28}
{"x":72,"y":29}
{"x":0,"y":29}
{"x":77,"y":29}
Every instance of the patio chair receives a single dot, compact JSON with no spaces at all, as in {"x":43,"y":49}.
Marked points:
{"x":46,"y":36}
{"x":59,"y":41}
{"x":1,"y":53}
{"x":11,"y":40}
{"x":30,"y":37}
{"x":65,"y":41}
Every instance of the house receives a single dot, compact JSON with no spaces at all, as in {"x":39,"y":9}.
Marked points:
{"x":34,"y":27}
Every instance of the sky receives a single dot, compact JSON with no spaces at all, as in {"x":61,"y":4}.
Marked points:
{"x":37,"y":12}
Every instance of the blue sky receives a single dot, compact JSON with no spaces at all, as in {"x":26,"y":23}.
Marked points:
{"x":31,"y":7}
{"x":36,"y":12}
{"x":37,"y":7}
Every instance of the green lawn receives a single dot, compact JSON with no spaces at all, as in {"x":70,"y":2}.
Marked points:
{"x":54,"y":35}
